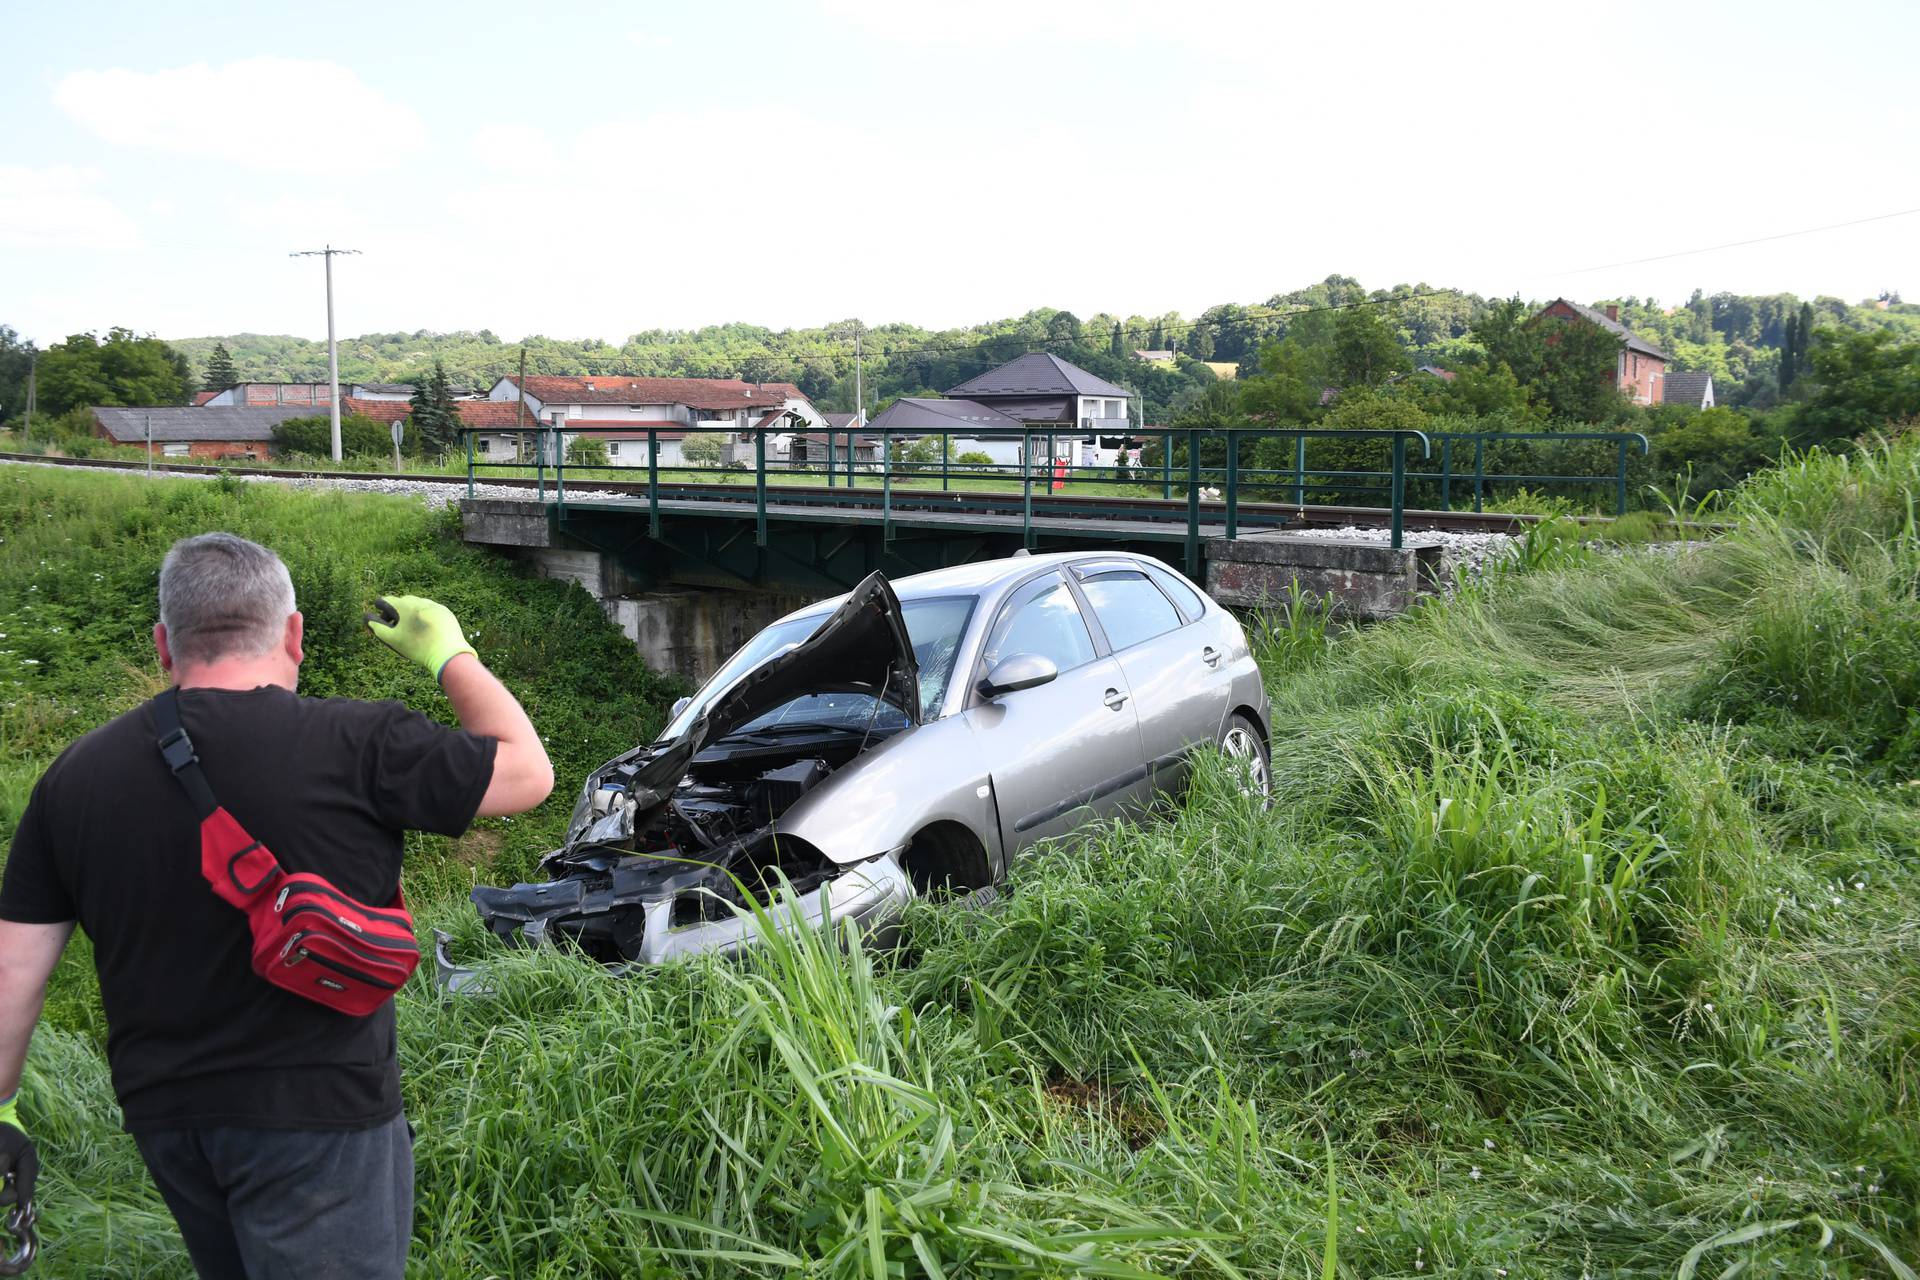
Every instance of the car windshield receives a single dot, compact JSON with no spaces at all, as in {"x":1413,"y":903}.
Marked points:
{"x":934,"y":627}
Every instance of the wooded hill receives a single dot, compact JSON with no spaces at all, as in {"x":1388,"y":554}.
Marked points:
{"x":1736,"y":337}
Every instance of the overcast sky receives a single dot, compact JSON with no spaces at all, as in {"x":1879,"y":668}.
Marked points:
{"x":593,"y":170}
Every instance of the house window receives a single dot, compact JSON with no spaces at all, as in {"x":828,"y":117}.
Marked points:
{"x":175,"y":450}
{"x":483,"y":445}
{"x":613,"y":448}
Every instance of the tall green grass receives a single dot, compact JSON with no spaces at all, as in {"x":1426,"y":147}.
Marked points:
{"x":1572,"y":944}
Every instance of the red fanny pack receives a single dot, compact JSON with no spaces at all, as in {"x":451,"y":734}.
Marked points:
{"x":309,"y":937}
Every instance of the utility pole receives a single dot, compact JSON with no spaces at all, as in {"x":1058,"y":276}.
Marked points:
{"x":149,"y":446}
{"x":333,"y":349}
{"x":33,"y":362}
{"x":859,"y":400}
{"x":520,"y":417}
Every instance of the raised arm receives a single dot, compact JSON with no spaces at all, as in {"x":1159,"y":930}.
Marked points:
{"x":428,"y":633}
{"x":522,"y":774}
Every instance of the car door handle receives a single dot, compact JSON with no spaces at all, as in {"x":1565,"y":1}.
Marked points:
{"x":1210,"y":656}
{"x":1115,"y":699}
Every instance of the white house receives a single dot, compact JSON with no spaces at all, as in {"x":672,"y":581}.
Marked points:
{"x":621,"y":408}
{"x":1035,"y":396}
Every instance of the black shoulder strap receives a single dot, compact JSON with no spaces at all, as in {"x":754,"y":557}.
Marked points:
{"x":177,"y":749}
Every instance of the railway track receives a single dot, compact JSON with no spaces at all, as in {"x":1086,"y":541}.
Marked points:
{"x":1252,"y":515}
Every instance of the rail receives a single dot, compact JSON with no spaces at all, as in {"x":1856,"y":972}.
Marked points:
{"x":1263,"y":464}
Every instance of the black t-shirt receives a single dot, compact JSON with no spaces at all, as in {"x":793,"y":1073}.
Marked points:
{"x":110,"y":839}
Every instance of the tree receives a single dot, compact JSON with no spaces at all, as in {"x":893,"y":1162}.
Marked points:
{"x":220,"y":374}
{"x":1867,"y":382}
{"x":1064,"y":326}
{"x":1715,"y":447}
{"x":702,"y":450}
{"x":432,"y":411}
{"x":1789,"y":353}
{"x":123,"y":370}
{"x":1119,"y":344}
{"x":1365,"y":352}
{"x":1803,"y":352}
{"x":16,"y":358}
{"x":761,"y":368}
{"x":1567,"y":366}
{"x":1288,"y":388}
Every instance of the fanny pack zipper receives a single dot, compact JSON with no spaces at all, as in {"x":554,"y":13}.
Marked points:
{"x":359,"y":934}
{"x":390,"y":917}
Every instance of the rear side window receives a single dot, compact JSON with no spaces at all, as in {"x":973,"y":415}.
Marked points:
{"x":1183,"y":595}
{"x":1130,"y":608}
{"x":1042,"y":618}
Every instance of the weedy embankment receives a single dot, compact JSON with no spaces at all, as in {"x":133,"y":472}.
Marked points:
{"x":1580,"y":938}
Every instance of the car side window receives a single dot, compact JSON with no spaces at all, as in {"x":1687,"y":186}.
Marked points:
{"x":1130,"y":608}
{"x":1042,"y":619}
{"x":1183,"y":595}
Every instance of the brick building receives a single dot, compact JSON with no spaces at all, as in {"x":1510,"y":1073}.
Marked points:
{"x":1640,"y":371}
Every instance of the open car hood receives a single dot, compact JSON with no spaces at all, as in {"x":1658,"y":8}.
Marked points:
{"x":862,"y":647}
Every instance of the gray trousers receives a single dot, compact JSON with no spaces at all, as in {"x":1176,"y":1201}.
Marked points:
{"x":269,"y":1204}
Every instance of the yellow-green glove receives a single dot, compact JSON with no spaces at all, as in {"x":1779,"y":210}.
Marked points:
{"x":418,"y":628}
{"x":19,"y":1161}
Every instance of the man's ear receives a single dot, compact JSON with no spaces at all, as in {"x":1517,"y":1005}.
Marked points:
{"x":160,"y":647}
{"x":296,"y":630}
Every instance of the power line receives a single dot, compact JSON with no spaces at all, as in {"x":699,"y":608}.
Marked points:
{"x":1187,"y":326}
{"x":1248,"y":316}
{"x":1737,"y":244}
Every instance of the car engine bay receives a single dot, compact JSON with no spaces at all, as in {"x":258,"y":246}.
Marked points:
{"x":694,"y":818}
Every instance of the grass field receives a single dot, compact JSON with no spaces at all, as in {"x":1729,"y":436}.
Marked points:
{"x":1582,"y":938}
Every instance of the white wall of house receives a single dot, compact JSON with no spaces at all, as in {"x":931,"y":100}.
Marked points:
{"x":633,"y":453}
{"x":505,"y":390}
{"x":1103,"y":407}
{"x":807,"y":412}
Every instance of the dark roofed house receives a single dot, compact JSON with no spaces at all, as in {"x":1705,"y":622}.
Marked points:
{"x":1037,"y":395}
{"x":1040,"y":387}
{"x":1641,"y":369}
{"x":1693,"y":388}
{"x":911,"y":414}
{"x":186,"y":431}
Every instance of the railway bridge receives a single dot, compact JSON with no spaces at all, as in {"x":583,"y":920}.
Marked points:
{"x":690,"y":561}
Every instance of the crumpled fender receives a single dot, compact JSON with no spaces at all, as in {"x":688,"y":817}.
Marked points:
{"x":878,"y":802}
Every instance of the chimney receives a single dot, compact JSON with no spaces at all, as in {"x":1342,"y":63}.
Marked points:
{"x":1613,"y":313}
{"x":589,"y":386}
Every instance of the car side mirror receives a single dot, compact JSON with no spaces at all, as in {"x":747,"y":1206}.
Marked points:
{"x":1020,"y":671}
{"x":679,"y":705}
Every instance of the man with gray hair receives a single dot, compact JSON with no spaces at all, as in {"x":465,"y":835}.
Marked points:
{"x":272,"y":1124}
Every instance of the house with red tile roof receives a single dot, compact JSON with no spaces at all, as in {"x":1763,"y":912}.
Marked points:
{"x":625,"y":411}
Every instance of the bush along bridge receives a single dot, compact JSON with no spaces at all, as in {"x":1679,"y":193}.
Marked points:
{"x":693,"y":558}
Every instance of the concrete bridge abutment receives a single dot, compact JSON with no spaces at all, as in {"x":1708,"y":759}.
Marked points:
{"x":687,"y":631}
{"x":1368,"y":581}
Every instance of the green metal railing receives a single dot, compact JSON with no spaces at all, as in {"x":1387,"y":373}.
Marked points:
{"x":1623,"y":442}
{"x":1240,"y":461}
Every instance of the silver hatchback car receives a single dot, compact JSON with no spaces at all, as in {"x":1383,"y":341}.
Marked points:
{"x":908,"y":737}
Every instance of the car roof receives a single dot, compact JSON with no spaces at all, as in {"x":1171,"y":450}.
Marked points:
{"x":975,"y":577}
{"x":981,"y":578}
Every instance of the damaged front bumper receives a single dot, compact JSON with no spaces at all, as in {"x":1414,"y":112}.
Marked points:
{"x":872,"y":894}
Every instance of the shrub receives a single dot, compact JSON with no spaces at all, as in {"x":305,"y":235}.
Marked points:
{"x":360,"y":436}
{"x":703,"y":450}
{"x":587,"y":451}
